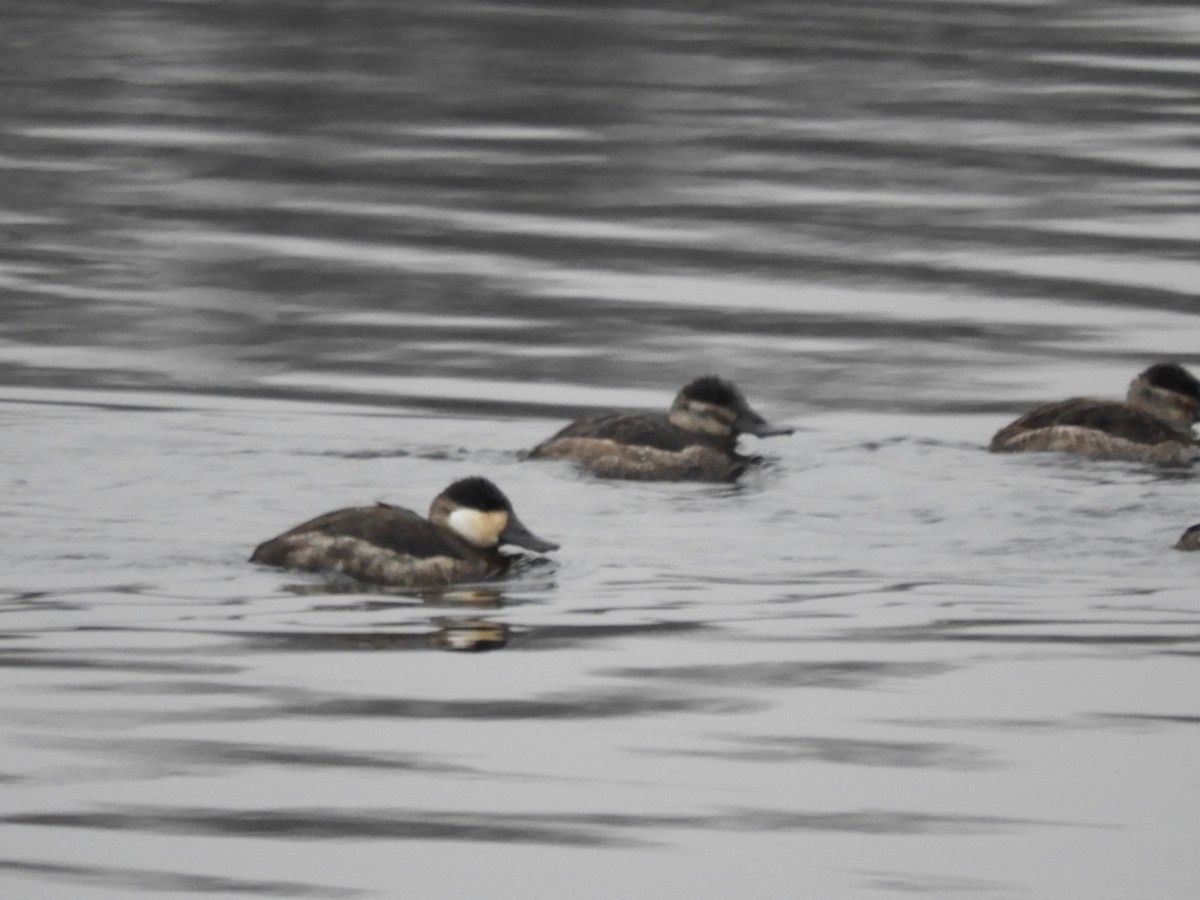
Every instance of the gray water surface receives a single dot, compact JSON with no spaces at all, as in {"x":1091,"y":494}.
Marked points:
{"x":266,"y":259}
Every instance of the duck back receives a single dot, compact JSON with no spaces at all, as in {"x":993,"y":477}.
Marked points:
{"x":379,"y":544}
{"x":1109,"y":416}
{"x":633,"y":429}
{"x":1105,"y":429}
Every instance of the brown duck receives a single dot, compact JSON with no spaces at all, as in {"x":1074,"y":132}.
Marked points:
{"x":695,"y":440}
{"x":1153,"y":424}
{"x":390,"y":545}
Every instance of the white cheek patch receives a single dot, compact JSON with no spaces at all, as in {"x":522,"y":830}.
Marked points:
{"x":480,"y":528}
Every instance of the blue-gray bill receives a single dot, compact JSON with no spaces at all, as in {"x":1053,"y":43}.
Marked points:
{"x":750,"y":422}
{"x":516,"y":533}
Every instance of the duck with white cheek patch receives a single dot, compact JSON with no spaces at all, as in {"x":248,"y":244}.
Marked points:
{"x":390,"y":545}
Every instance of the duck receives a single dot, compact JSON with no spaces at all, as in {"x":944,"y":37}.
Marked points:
{"x":695,"y":441}
{"x":393,"y":546}
{"x":1190,"y":539}
{"x":1153,"y":424}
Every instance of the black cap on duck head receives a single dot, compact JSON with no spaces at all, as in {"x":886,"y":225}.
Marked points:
{"x":477,"y":493}
{"x":485,"y":517}
{"x":716,"y":391}
{"x":1173,"y":377}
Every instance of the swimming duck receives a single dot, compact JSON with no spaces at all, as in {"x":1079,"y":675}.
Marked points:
{"x":390,"y":545}
{"x":1154,"y":424}
{"x":1190,"y":539}
{"x":696,"y":440}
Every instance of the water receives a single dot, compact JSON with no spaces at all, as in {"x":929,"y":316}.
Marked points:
{"x":266,"y":259}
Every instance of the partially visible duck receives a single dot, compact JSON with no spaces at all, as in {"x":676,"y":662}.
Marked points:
{"x":1189,"y":540}
{"x":695,"y":440}
{"x":1153,"y":424}
{"x":390,"y":545}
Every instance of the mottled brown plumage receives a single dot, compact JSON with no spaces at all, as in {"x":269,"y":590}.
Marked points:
{"x":393,"y":546}
{"x":1153,"y":424}
{"x":696,"y":440}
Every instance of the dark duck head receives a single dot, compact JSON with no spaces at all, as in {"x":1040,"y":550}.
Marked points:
{"x":1169,"y":392}
{"x":478,"y":512}
{"x":714,"y":406}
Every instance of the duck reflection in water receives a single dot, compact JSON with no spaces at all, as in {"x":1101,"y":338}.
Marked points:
{"x":393,"y":546}
{"x":1153,"y":424}
{"x":469,"y":635}
{"x":695,"y":441}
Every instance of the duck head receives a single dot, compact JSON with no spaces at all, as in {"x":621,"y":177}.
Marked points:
{"x":714,"y":406}
{"x":478,"y":512}
{"x":1169,"y":392}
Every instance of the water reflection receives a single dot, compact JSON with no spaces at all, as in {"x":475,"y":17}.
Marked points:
{"x":454,"y":633}
{"x":851,"y":674}
{"x":551,"y":829}
{"x":383,"y":596}
{"x":331,"y":823}
{"x":469,"y":634}
{"x":846,"y":751}
{"x":215,"y":755}
{"x":127,"y":879}
{"x":442,"y":633}
{"x":592,"y":704}
{"x":582,"y":196}
{"x":268,"y":256}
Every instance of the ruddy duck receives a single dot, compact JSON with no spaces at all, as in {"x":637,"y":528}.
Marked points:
{"x":696,"y":440}
{"x":1154,"y":424}
{"x":1189,"y":540}
{"x":389,"y":545}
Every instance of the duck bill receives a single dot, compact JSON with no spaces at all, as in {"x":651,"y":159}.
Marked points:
{"x":516,"y":533}
{"x":750,"y":422}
